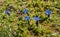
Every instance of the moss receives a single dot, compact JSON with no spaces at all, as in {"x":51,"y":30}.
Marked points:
{"x":15,"y":25}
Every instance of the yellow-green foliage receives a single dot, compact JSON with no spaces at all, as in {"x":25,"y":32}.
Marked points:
{"x":13,"y":26}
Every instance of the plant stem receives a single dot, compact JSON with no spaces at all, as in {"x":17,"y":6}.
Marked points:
{"x":37,"y":23}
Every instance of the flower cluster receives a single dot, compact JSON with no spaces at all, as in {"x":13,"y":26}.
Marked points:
{"x":36,"y":18}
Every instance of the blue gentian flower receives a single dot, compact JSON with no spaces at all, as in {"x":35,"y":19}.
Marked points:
{"x":27,"y":18}
{"x":48,"y":12}
{"x":25,"y":11}
{"x":36,"y":18}
{"x":7,"y":12}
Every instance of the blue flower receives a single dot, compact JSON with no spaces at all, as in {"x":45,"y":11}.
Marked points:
{"x":27,"y":18}
{"x":36,"y":18}
{"x":25,"y":11}
{"x":48,"y":12}
{"x":7,"y":12}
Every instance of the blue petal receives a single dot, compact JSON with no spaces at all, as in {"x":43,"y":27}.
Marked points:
{"x":25,"y":11}
{"x":48,"y":12}
{"x":27,"y":18}
{"x":36,"y":18}
{"x":7,"y":12}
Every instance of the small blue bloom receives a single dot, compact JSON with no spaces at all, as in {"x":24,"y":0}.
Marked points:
{"x":36,"y":18}
{"x":7,"y":12}
{"x":27,"y":18}
{"x":48,"y":12}
{"x":25,"y":11}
